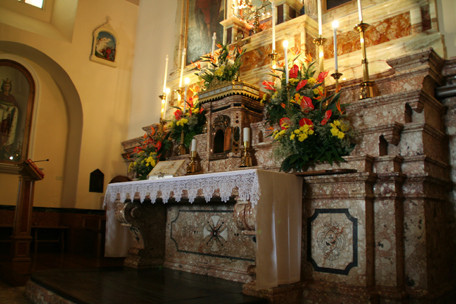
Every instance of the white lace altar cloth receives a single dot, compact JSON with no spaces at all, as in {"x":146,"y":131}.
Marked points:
{"x":224,"y":184}
{"x":277,"y":198}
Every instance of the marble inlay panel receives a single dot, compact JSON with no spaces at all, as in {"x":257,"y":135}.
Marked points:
{"x":208,"y":232}
{"x":333,"y":235}
{"x":377,"y":33}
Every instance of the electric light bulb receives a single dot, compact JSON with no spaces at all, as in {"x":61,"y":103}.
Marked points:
{"x":335,"y":24}
{"x":187,"y":80}
{"x":285,"y":43}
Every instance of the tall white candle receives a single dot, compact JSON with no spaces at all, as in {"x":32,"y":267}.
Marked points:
{"x":187,"y":81}
{"x":285,"y":51}
{"x":182,"y":67}
{"x":214,"y":36}
{"x":335,"y":25}
{"x":193,"y":145}
{"x":360,"y":11}
{"x":166,"y":74}
{"x":246,"y":134}
{"x":320,"y":19}
{"x":273,"y":25}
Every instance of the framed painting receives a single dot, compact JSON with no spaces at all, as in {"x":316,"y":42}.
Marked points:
{"x":104,"y":45}
{"x":17,"y":96}
{"x":203,"y":19}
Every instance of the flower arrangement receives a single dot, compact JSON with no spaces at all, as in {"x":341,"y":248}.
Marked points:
{"x":191,"y":122}
{"x":150,"y":151}
{"x":224,"y":66}
{"x":312,"y":126}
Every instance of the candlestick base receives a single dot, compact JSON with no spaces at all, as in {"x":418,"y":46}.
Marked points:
{"x":246,"y":159}
{"x":194,"y":165}
{"x":336,"y":75}
{"x":367,"y":90}
{"x":274,"y":57}
{"x":319,"y":41}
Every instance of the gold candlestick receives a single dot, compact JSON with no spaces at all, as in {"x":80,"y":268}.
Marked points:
{"x":273,"y":56}
{"x":320,"y":41}
{"x":194,"y":165}
{"x":336,"y":75}
{"x":246,"y":160}
{"x":179,"y":92}
{"x":182,"y":148}
{"x":366,"y":90}
{"x":162,"y":116}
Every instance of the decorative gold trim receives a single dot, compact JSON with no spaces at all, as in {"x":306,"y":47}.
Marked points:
{"x":221,"y":89}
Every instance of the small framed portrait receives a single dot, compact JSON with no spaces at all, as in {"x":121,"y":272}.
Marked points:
{"x":104,"y":46}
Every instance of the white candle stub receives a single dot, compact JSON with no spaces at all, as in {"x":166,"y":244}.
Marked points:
{"x":193,"y":145}
{"x":246,"y":134}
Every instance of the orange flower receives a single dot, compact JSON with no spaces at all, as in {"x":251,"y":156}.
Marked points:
{"x":219,"y":45}
{"x":269,"y":85}
{"x":338,"y":107}
{"x":338,"y":89}
{"x":152,"y":131}
{"x":196,"y":65}
{"x":308,"y":58}
{"x":295,"y":50}
{"x":283,"y":105}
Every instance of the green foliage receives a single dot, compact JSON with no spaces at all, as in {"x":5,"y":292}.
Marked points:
{"x":223,"y":68}
{"x":191,"y":122}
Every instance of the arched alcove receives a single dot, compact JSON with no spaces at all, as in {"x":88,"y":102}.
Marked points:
{"x":74,"y":108}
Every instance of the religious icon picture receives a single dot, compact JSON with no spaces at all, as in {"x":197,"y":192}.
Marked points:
{"x":104,"y":46}
{"x":16,"y":106}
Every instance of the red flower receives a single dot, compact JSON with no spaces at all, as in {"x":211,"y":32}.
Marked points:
{"x":201,"y":110}
{"x":158,"y":146}
{"x":327,"y":117}
{"x":306,"y":104}
{"x":305,"y":121}
{"x":294,"y":71}
{"x":152,"y":131}
{"x":136,"y":150}
{"x":322,"y":76}
{"x":284,"y":123}
{"x":178,"y":114}
{"x":269,"y":85}
{"x":301,"y":84}
{"x":190,"y":102}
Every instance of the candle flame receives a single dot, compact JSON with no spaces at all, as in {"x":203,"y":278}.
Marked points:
{"x":335,"y":24}
{"x":285,"y":43}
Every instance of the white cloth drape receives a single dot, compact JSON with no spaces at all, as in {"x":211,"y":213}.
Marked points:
{"x":277,"y":197}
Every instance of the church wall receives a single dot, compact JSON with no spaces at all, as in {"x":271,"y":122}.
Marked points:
{"x":104,"y":93}
{"x":447,"y":24}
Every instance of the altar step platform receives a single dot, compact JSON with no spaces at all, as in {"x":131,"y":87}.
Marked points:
{"x":126,"y":285}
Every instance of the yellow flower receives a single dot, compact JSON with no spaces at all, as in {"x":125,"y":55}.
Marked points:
{"x":182,"y":122}
{"x":337,"y":123}
{"x":344,"y":126}
{"x":317,"y":91}
{"x":275,"y":94}
{"x":195,"y":110}
{"x":219,"y":71}
{"x":341,"y":135}
{"x":334,"y":131}
{"x":131,"y":166}
{"x":293,"y":81}
{"x":311,"y":81}
{"x":292,"y":136}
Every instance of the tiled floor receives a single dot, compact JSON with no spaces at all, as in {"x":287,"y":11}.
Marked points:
{"x":48,"y":261}
{"x":12,"y":295}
